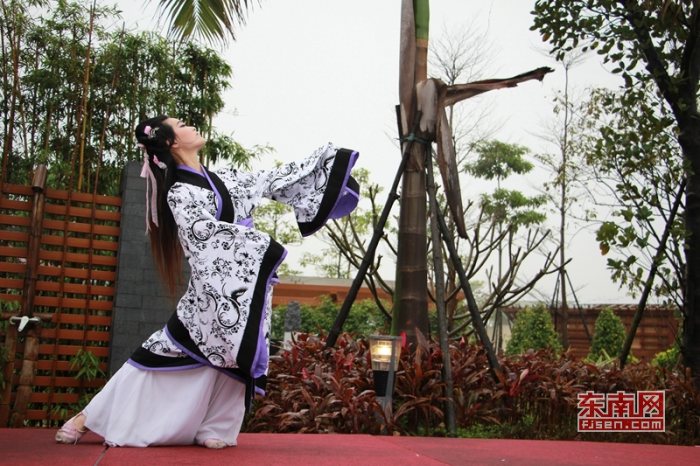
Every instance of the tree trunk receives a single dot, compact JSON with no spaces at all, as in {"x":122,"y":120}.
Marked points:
{"x":690,"y":142}
{"x":563,"y":312}
{"x":411,"y":301}
{"x":410,"y":311}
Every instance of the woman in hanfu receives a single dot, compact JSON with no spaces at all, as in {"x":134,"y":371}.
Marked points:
{"x":192,"y":381}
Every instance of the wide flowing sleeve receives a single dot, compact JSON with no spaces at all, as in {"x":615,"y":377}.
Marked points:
{"x":231,"y":268}
{"x":319,"y":187}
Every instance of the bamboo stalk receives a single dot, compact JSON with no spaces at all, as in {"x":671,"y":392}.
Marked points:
{"x":82,"y":110}
{"x":9,"y":134}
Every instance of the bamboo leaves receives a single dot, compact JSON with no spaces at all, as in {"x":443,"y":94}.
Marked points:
{"x":71,"y":99}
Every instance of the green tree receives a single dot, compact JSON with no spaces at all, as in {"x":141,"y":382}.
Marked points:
{"x":639,"y":171}
{"x":505,"y":213}
{"x":667,"y":359}
{"x":459,"y":57}
{"x":657,"y":43}
{"x":533,"y":329}
{"x":608,"y":337}
{"x":564,"y":131}
{"x":75,"y":91}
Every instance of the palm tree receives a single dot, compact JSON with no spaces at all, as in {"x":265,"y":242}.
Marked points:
{"x":213,"y":20}
{"x":430,"y":97}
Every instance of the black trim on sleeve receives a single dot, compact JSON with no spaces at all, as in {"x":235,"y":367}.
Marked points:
{"x":334,"y":188}
{"x":227,"y":213}
{"x":147,"y":359}
{"x":185,"y":176}
{"x":180,"y":334}
{"x":353,"y":185}
{"x":249,"y":342}
{"x":227,"y":208}
{"x":261,"y":382}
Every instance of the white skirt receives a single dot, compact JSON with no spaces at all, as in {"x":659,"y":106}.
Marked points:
{"x":138,"y":408}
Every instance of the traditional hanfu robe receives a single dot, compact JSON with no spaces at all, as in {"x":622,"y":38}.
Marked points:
{"x":223,"y":319}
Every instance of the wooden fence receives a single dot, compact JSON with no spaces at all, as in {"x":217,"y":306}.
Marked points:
{"x":58,"y":258}
{"x":657,"y":331}
{"x":311,"y":294}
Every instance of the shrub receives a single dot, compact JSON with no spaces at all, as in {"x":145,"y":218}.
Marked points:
{"x":668,"y":359}
{"x":364,"y":318}
{"x":533,"y":329}
{"x":314,"y":389}
{"x":609,"y":336}
{"x":311,"y":389}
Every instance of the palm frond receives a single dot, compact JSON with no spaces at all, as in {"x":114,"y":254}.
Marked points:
{"x":211,"y":20}
{"x":458,"y":92}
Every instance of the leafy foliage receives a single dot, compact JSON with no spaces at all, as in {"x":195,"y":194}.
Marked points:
{"x":651,"y":45}
{"x":75,"y":90}
{"x":514,"y":207}
{"x":639,"y":168}
{"x":212,"y":21}
{"x":609,"y":335}
{"x":533,"y":330}
{"x":87,"y":365}
{"x":313,"y":389}
{"x":668,"y":359}
{"x":497,"y":160}
{"x":364,"y":319}
{"x":505,"y":232}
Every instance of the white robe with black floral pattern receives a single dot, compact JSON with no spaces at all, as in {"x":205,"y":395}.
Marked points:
{"x":226,"y":308}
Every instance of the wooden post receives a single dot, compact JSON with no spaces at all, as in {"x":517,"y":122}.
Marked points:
{"x":440,"y":303}
{"x":26,"y":376}
{"x":10,"y":350}
{"x":31,"y":341}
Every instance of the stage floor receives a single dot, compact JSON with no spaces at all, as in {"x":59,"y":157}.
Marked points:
{"x":20,"y":447}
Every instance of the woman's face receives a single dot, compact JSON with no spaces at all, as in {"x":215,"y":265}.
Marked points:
{"x":186,"y":137}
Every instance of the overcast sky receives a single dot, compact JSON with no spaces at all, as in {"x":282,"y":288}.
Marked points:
{"x":310,"y":71}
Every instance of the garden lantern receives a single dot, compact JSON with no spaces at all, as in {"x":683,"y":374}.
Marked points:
{"x":385,"y":352}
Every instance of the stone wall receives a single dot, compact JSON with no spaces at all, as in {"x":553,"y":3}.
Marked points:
{"x":141,"y":305}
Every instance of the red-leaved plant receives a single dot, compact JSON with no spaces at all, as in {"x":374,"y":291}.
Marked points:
{"x":317,"y":390}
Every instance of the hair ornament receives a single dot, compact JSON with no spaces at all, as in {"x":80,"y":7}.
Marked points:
{"x":160,"y":164}
{"x":151,"y":198}
{"x":150,"y":132}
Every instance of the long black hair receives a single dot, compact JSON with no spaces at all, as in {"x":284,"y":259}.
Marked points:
{"x":165,"y":245}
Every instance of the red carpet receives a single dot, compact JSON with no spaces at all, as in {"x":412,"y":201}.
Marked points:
{"x":20,"y":447}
